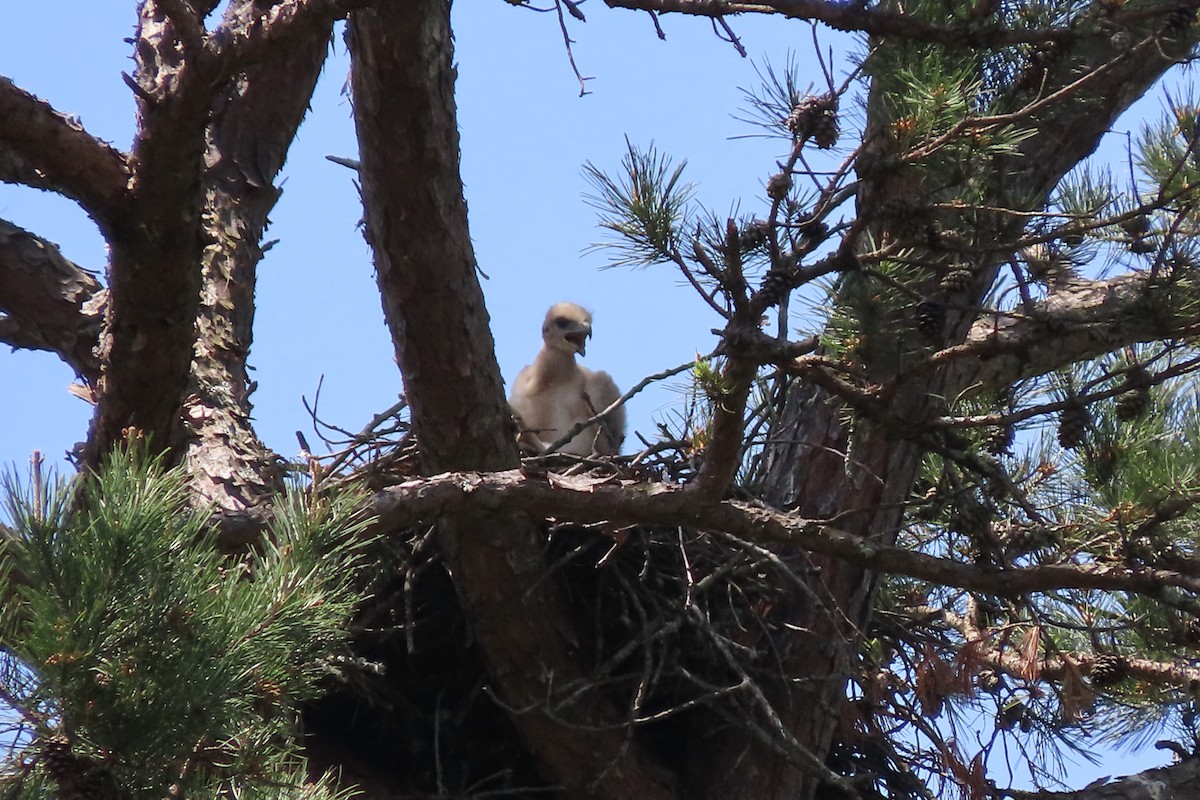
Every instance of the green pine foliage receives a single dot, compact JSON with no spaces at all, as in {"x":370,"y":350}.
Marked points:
{"x":153,"y":656}
{"x":645,"y":207}
{"x":1002,"y":486}
{"x":1168,"y":150}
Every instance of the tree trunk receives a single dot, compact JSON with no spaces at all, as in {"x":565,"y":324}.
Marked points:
{"x":403,"y":83}
{"x":858,"y":476}
{"x":253,"y":124}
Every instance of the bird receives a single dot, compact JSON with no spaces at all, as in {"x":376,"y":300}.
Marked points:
{"x":554,"y":393}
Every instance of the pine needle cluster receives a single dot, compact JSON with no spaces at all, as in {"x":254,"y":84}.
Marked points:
{"x":140,"y":654}
{"x":644,"y":207}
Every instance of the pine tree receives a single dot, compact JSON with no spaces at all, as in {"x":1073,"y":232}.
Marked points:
{"x":145,"y":663}
{"x":960,"y":475}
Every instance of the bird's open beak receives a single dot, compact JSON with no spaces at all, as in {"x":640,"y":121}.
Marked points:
{"x":579,"y":339}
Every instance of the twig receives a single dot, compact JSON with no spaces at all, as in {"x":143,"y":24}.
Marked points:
{"x":351,"y":163}
{"x":567,"y":41}
{"x":657,"y":27}
{"x":729,"y":36}
{"x":579,"y":427}
{"x":798,"y":753}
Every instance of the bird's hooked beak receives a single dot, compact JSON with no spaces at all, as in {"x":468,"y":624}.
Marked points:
{"x":578,"y":336}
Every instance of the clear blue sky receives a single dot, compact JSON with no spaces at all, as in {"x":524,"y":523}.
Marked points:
{"x":525,"y":137}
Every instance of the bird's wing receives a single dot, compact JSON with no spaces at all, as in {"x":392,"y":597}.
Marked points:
{"x":526,"y":405}
{"x":602,"y":392}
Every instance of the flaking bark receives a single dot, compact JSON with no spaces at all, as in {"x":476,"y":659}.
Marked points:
{"x":47,"y":301}
{"x":254,"y":124}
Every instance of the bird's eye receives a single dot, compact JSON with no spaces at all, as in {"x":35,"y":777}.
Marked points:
{"x":561,"y":322}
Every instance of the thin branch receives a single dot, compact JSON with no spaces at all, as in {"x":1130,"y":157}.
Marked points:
{"x":729,"y":36}
{"x":579,"y":427}
{"x":567,"y":41}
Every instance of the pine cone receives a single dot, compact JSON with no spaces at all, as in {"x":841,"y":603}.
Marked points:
{"x":1141,"y":245}
{"x":1073,"y":423}
{"x":825,"y":131}
{"x":75,"y":777}
{"x":1000,"y":439}
{"x":1046,"y":263}
{"x":989,"y":681}
{"x":938,"y":238}
{"x":1010,"y":716}
{"x":906,"y":220}
{"x":775,"y":284}
{"x":815,"y":117}
{"x":1109,"y":669}
{"x":1104,"y":461}
{"x":813,"y":229}
{"x":57,"y":758}
{"x":1132,"y":404}
{"x":957,"y":280}
{"x":752,"y":235}
{"x":1072,"y":237}
{"x":1024,"y":541}
{"x":1136,"y":226}
{"x":970,"y":517}
{"x":931,"y":317}
{"x":1138,"y":377}
{"x":778,"y":185}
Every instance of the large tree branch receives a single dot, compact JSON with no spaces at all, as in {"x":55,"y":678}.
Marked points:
{"x":876,"y":20}
{"x":254,"y":31}
{"x":1082,"y":320}
{"x":604,"y":500}
{"x":48,"y":302}
{"x":403,"y":79}
{"x":1180,"y":782}
{"x":42,"y":148}
{"x":154,"y":268}
{"x":1106,"y":81}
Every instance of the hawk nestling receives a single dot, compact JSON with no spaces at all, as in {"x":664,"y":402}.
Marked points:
{"x":554,"y":393}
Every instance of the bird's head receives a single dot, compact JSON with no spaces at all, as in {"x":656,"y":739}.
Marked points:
{"x":567,"y":328}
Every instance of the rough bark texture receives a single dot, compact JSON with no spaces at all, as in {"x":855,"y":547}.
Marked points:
{"x":154,"y":270}
{"x":584,"y":499}
{"x":403,"y":83}
{"x":253,"y":125}
{"x":48,"y":302}
{"x":158,"y":240}
{"x":42,"y":148}
{"x":1179,"y":782}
